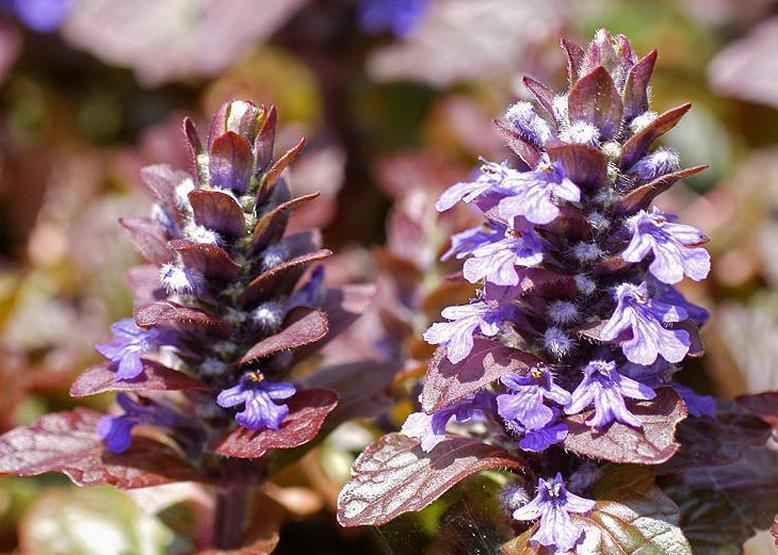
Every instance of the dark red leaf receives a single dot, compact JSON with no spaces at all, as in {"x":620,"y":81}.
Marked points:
{"x":144,"y":284}
{"x":280,"y":279}
{"x":230,"y":162}
{"x":639,"y":143}
{"x":308,"y":329}
{"x":363,"y":388}
{"x":594,"y":99}
{"x":764,"y":405}
{"x":274,"y":172}
{"x":211,"y":260}
{"x":263,"y":146}
{"x":528,"y":153}
{"x":148,"y":238}
{"x":488,"y":361}
{"x":584,"y":165}
{"x":162,"y":181}
{"x":168,"y":313}
{"x":652,"y":444}
{"x":307,"y":412}
{"x":714,"y":442}
{"x":636,"y":86}
{"x":102,"y":377}
{"x":195,"y":149}
{"x":217,"y":211}
{"x":643,"y":196}
{"x":343,"y":306}
{"x":271,"y":226}
{"x":542,"y":93}
{"x":394,"y":476}
{"x":575,"y":56}
{"x":66,"y":442}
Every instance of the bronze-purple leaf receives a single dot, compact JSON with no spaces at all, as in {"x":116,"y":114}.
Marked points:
{"x":162,"y":180}
{"x":307,"y":329}
{"x":487,"y":362}
{"x":144,"y":284}
{"x":642,"y":197}
{"x":654,"y":443}
{"x":263,"y":146}
{"x":168,"y":313}
{"x":394,"y":476}
{"x":764,"y":405}
{"x":343,"y":306}
{"x":230,"y":162}
{"x":148,"y":238}
{"x":271,"y":226}
{"x":307,"y":411}
{"x":542,"y":94}
{"x":639,"y":143}
{"x":195,"y":148}
{"x":155,"y":377}
{"x":280,"y":279}
{"x":274,"y":172}
{"x":584,"y":165}
{"x":594,"y":99}
{"x":217,"y":211}
{"x":363,"y":388}
{"x":528,"y":153}
{"x":67,"y":442}
{"x":211,"y":260}
{"x":575,"y":56}
{"x":636,"y":86}
{"x":709,"y":442}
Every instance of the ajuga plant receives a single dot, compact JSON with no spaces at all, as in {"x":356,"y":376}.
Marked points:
{"x":226,"y":309}
{"x":560,"y":370}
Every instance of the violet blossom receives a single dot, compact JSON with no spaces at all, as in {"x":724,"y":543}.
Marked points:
{"x":526,"y":403}
{"x":457,"y":334}
{"x":672,"y":244}
{"x":496,"y":262}
{"x":116,"y":431}
{"x":534,"y":194}
{"x":644,"y":317}
{"x":258,"y":397}
{"x":552,"y":505}
{"x":129,"y":344}
{"x":430,"y":429}
{"x":606,"y":389}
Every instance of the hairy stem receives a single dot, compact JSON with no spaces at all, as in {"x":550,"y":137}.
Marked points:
{"x":228,"y":523}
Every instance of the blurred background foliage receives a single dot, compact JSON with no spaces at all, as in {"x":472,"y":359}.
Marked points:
{"x":92,"y":90}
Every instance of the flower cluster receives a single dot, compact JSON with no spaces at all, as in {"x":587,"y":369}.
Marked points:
{"x":227,"y":306}
{"x":575,"y":268}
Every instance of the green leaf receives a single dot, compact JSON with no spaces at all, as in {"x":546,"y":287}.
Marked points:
{"x":95,"y":521}
{"x":632,"y":517}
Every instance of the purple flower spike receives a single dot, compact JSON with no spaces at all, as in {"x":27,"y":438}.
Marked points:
{"x":467,"y":241}
{"x":430,"y":429}
{"x":258,"y":397}
{"x":534,"y":193}
{"x":552,"y":505}
{"x":492,"y":178}
{"x":671,"y":244}
{"x":116,"y":431}
{"x":604,"y":387}
{"x":496,"y":262}
{"x":526,"y":404}
{"x":669,"y":294}
{"x":457,"y":334}
{"x":644,"y":316}
{"x":129,"y":343}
